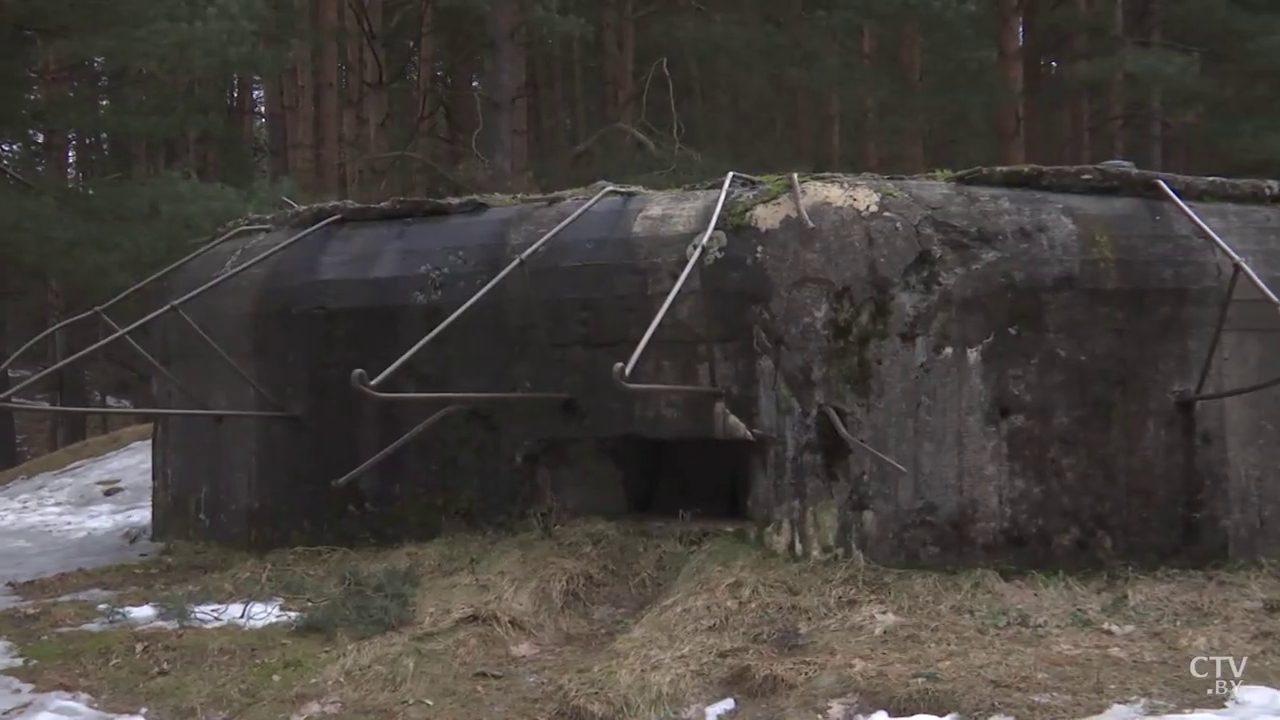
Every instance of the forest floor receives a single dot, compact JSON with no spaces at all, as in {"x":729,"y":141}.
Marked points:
{"x":597,"y":621}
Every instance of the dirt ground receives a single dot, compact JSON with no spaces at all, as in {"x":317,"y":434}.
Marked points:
{"x":597,"y":620}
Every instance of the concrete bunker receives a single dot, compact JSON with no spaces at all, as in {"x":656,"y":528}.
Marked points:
{"x":1011,"y":338}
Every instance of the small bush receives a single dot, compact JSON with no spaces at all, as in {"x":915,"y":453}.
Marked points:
{"x":368,"y":602}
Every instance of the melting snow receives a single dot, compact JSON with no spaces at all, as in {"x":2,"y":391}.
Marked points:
{"x":62,"y":521}
{"x":19,"y":701}
{"x":88,"y":514}
{"x":248,"y":615}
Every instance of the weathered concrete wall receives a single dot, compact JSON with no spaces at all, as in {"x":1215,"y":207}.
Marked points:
{"x":1016,"y":350}
{"x":357,"y":295}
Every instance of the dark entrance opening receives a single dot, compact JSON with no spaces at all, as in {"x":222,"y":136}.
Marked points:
{"x":701,"y":478}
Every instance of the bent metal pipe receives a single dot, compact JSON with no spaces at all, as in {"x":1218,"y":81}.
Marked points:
{"x":150,"y":317}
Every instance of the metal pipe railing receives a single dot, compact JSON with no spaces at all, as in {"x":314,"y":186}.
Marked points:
{"x":622,"y":371}
{"x":141,"y":412}
{"x":1238,"y":267}
{"x":135,"y":288}
{"x":174,"y":306}
{"x":386,"y":452}
{"x":1221,"y":244}
{"x":360,"y":377}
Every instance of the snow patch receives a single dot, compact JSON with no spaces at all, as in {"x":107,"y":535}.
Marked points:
{"x":88,"y":514}
{"x":249,"y":615}
{"x":20,"y":701}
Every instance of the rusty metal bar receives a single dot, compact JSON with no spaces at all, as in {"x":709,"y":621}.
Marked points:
{"x":1221,"y":244}
{"x":838,"y":425}
{"x":226,"y":357}
{"x":622,"y":371}
{"x":145,"y":412}
{"x":1238,"y":267}
{"x":360,"y":381}
{"x":172,"y":305}
{"x":388,"y":450}
{"x":1188,"y":399}
{"x":360,"y":378}
{"x":1217,"y":329}
{"x":177,"y":384}
{"x":135,"y":288}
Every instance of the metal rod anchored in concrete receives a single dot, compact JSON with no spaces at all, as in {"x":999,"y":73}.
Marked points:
{"x":360,"y":376}
{"x":157,"y":313}
{"x":135,"y":288}
{"x":1217,"y":329}
{"x":226,"y":357}
{"x":143,"y":412}
{"x":386,"y":451}
{"x":177,"y":384}
{"x":838,"y":425}
{"x":1221,"y":244}
{"x":622,"y":371}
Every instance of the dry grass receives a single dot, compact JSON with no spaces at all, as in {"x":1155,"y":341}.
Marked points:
{"x":91,"y":448}
{"x":639,"y":621}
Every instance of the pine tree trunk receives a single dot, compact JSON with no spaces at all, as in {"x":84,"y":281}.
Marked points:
{"x":553,"y":102}
{"x":609,"y":59}
{"x":1009,"y":125}
{"x":510,"y":71}
{"x":328,"y":106}
{"x":375,"y":93}
{"x":425,"y":123}
{"x":1115,"y":85}
{"x":831,"y":161}
{"x":277,"y":126}
{"x":245,"y":125}
{"x":581,"y":132}
{"x":1081,"y":135}
{"x":8,"y":428}
{"x":910,"y":52}
{"x":1155,"y":101}
{"x":1041,"y":145}
{"x":870,"y":102}
{"x":353,"y":122}
{"x":628,"y":98}
{"x":302,"y":150}
{"x":69,"y":382}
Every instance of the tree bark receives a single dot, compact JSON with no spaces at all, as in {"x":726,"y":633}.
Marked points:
{"x":910,"y":52}
{"x":870,"y":101}
{"x":1081,"y":131}
{"x":1155,"y":100}
{"x":8,"y":428}
{"x":1041,"y":144}
{"x":277,"y":126}
{"x":831,"y":160}
{"x":375,"y":89}
{"x":509,"y":90}
{"x":1009,"y":121}
{"x":353,"y":122}
{"x":424,"y":94}
{"x":328,"y":106}
{"x":1115,"y":85}
{"x":302,"y":131}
